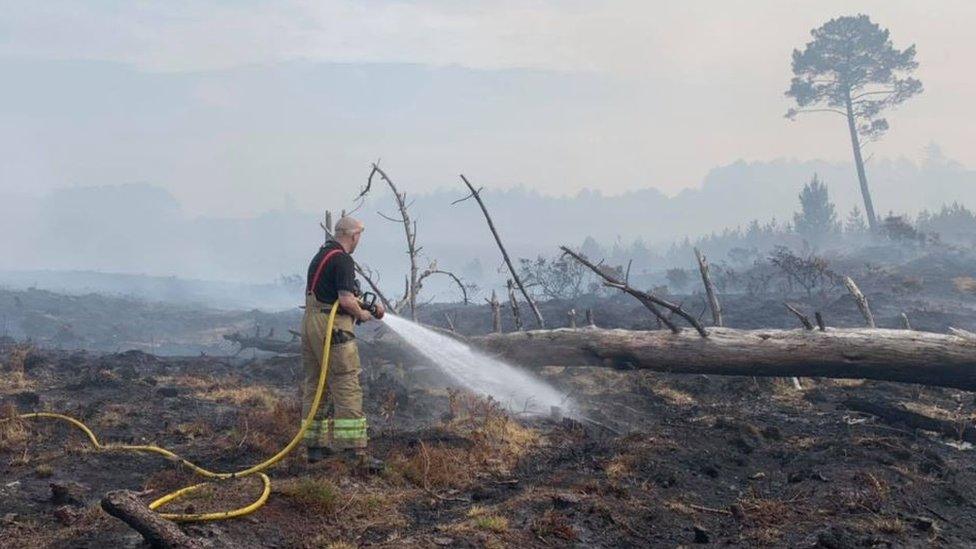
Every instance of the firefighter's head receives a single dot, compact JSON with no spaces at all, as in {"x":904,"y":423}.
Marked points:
{"x":348,"y":231}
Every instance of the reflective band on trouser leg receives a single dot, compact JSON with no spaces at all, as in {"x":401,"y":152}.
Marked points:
{"x":349,"y":432}
{"x":317,"y":435}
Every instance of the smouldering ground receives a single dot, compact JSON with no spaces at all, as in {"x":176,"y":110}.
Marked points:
{"x":679,"y":460}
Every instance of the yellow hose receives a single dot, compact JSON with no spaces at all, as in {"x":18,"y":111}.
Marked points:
{"x":256,"y":469}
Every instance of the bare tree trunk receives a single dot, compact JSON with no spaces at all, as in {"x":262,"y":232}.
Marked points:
{"x":496,"y":313}
{"x":859,"y":164}
{"x":862,"y":353}
{"x":590,"y":321}
{"x":516,"y":315}
{"x":713,"y":303}
{"x":807,"y":325}
{"x":905,"y":322}
{"x":476,"y":194}
{"x":450,"y":323}
{"x":410,"y":233}
{"x":572,"y":318}
{"x":862,"y":302}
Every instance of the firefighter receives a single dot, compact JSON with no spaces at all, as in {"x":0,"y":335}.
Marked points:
{"x":331,"y":282}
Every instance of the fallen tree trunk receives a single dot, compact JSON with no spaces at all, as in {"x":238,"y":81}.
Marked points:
{"x":868,"y":353}
{"x":269,"y":344}
{"x":389,"y":348}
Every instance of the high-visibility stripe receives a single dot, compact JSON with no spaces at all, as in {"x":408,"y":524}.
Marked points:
{"x":349,"y":434}
{"x":354,"y":423}
{"x":347,"y":429}
{"x":317,"y":430}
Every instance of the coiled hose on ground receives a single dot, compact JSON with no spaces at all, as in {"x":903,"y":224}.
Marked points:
{"x":255,"y":470}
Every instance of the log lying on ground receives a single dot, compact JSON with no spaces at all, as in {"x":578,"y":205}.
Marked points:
{"x":868,"y":353}
{"x":390,"y":348}
{"x":270,"y":344}
{"x":158,"y":532}
{"x":892,"y":413}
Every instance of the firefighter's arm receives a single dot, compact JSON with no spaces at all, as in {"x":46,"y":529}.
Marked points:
{"x":350,"y":304}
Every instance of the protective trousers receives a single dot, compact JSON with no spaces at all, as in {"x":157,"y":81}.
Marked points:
{"x":347,"y":427}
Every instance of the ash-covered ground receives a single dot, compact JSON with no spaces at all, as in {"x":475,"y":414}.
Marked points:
{"x":679,"y":460}
{"x":659,"y":460}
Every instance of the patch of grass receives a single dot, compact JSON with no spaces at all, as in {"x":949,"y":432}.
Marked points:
{"x":435,"y":467}
{"x":186,"y":381}
{"x":965,"y":284}
{"x":34,"y":534}
{"x":673,"y":396}
{"x":763,"y":511}
{"x":492,"y":523}
{"x":251,"y":396}
{"x":193,"y":430}
{"x":113,"y":415}
{"x":43,"y":471}
{"x":554,"y":524}
{"x":13,"y":431}
{"x":868,"y":492}
{"x":265,"y":430}
{"x":317,"y":493}
{"x":15,"y":381}
{"x":497,"y":442}
{"x":888,"y":525}
{"x":621,"y":466}
{"x":17,"y":358}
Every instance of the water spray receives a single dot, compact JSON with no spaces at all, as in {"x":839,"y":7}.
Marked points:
{"x":514,"y":388}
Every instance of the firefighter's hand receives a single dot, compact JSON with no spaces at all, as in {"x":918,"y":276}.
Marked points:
{"x":380,"y":311}
{"x":364,"y":316}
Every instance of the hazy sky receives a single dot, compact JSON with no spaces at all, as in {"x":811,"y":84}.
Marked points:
{"x":238,"y":106}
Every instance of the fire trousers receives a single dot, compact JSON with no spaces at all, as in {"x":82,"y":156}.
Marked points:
{"x":346,"y":428}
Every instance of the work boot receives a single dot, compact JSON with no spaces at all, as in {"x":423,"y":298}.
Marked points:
{"x":365,"y":463}
{"x":316,"y":455}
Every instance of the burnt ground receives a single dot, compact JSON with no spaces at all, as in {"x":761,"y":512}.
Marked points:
{"x":678,"y":460}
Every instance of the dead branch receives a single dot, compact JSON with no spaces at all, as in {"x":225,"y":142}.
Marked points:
{"x":609,"y":279}
{"x":432,"y":270}
{"x":157,"y":531}
{"x":862,"y":302}
{"x":905,"y":323}
{"x":964,"y":334}
{"x":892,"y":413}
{"x":803,"y":318}
{"x":516,"y":315}
{"x":709,"y":288}
{"x":476,"y":194}
{"x":649,"y":300}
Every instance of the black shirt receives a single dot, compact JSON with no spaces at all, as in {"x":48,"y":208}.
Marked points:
{"x":339,"y":274}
